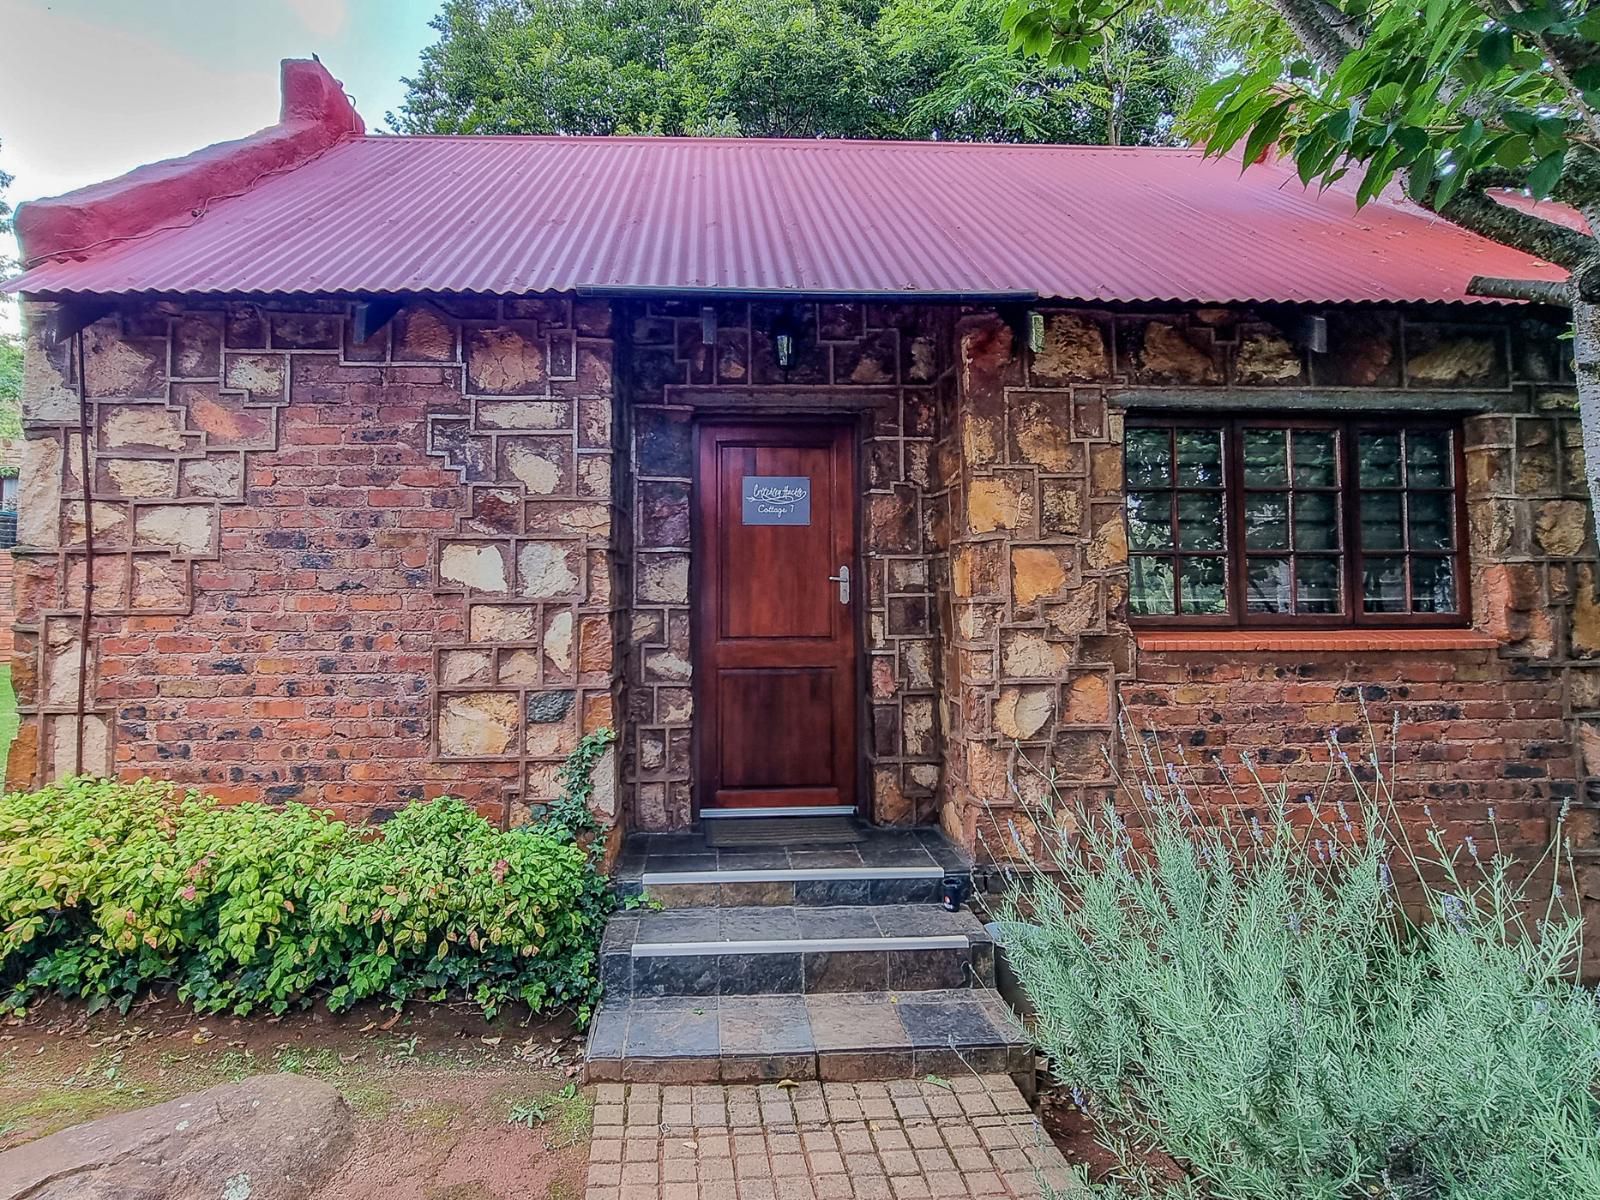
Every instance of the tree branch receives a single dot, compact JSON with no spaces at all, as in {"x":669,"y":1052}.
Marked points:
{"x":1326,"y":34}
{"x":1537,"y":291}
{"x":1479,"y":213}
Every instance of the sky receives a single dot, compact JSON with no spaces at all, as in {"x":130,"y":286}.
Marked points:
{"x":92,"y":88}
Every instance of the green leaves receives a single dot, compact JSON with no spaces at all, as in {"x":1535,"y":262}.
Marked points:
{"x":108,"y":888}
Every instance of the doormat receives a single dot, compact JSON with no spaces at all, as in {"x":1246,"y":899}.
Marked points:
{"x":782,"y":831}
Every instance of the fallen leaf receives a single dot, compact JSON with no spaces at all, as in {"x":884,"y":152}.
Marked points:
{"x":369,"y":1027}
{"x":490,"y":1041}
{"x":391,"y":1022}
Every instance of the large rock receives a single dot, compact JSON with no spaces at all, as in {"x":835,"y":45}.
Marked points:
{"x":265,"y":1138}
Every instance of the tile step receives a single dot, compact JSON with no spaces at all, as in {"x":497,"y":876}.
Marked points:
{"x":855,"y":1036}
{"x":763,"y":950}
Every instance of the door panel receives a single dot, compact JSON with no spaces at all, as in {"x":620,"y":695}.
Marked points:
{"x":775,"y":669}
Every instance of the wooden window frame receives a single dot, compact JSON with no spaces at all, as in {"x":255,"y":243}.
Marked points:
{"x":1349,"y":492}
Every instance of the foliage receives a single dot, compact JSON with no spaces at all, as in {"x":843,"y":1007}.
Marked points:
{"x":1255,"y":1003}
{"x":10,"y":345}
{"x":787,"y":68}
{"x":109,"y":888}
{"x":569,"y":814}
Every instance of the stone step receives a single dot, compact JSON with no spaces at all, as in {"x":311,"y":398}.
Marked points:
{"x":798,"y":950}
{"x":837,"y":1037}
{"x":891,"y":866}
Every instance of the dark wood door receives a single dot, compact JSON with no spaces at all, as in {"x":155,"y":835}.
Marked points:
{"x":775,"y":648}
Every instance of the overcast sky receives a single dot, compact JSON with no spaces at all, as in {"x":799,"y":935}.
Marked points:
{"x":92,"y":88}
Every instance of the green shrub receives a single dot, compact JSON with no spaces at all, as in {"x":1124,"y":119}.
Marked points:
{"x":1256,"y":1004}
{"x":107,"y":888}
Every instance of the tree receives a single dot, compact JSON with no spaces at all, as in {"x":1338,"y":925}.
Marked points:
{"x":1475,"y":106}
{"x":786,"y":68}
{"x":10,"y":345}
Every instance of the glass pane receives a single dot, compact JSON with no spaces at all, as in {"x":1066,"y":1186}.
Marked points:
{"x":1433,"y":585}
{"x":1316,"y":585}
{"x":1267,"y":585}
{"x":1380,"y":522}
{"x":1427,"y":458}
{"x":1266,"y":462}
{"x":1200,"y":458}
{"x":1149,"y":520}
{"x":1148,"y":458}
{"x":1316,"y":458}
{"x":1205,"y":587}
{"x":1266,"y":521}
{"x":1200,"y":521}
{"x":1380,"y":459}
{"x":1151,"y":592}
{"x":1383,"y":588}
{"x":1316,"y":521}
{"x":1432,"y":517}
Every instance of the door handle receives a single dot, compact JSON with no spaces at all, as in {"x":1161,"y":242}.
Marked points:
{"x":843,"y":580}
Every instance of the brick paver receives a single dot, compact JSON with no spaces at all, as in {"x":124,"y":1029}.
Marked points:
{"x":901,"y":1140}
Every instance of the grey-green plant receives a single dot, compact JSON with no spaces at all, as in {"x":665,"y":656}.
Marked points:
{"x":1291,"y":1001}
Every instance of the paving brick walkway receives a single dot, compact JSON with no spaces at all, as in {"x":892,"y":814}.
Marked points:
{"x":911,"y":1139}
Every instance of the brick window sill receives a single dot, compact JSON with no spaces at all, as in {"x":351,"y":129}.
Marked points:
{"x":1348,"y":641}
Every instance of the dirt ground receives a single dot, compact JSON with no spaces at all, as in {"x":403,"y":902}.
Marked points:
{"x":449,"y":1106}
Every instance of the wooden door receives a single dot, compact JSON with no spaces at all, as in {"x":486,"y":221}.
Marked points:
{"x":775,"y":665}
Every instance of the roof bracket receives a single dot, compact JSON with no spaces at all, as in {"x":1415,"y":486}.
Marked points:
{"x":73,"y":316}
{"x":370,"y":316}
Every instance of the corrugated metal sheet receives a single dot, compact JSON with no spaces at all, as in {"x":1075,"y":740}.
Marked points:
{"x":497,"y":215}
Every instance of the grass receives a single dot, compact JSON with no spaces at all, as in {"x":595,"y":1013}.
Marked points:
{"x":8,"y":714}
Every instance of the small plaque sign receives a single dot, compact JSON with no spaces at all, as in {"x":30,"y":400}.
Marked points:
{"x":777,"y":500}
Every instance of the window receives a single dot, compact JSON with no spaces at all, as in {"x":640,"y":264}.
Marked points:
{"x":1259,"y":521}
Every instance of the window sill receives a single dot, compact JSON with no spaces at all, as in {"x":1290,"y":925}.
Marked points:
{"x":1345,"y":640}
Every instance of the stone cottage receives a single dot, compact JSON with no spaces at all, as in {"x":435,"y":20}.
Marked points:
{"x":833,"y":476}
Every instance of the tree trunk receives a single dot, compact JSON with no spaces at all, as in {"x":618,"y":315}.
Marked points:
{"x":1586,"y":361}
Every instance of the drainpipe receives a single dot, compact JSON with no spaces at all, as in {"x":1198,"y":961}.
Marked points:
{"x":82,"y":715}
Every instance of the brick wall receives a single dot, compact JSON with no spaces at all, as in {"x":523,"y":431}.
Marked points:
{"x":1043,"y":671}
{"x":886,"y":367}
{"x":350,"y":574}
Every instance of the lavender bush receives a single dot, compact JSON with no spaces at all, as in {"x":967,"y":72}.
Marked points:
{"x":1253,"y":1002}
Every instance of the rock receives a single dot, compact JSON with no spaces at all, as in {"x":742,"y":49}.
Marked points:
{"x":1167,"y":356}
{"x":258,"y":374}
{"x":479,"y":724}
{"x":140,"y":428}
{"x":142,"y":477}
{"x":1267,"y":358}
{"x":997,"y":503}
{"x":558,"y":640}
{"x":1074,"y":350}
{"x":546,"y":570}
{"x":1562,"y":527}
{"x":422,"y":335}
{"x":1021,"y":712}
{"x":1035,"y":571}
{"x":39,"y":494}
{"x":269,"y":1137}
{"x":539,"y":473}
{"x":187,"y":528}
{"x":482,"y":568}
{"x":504,"y":361}
{"x":663,"y":579}
{"x":1461,"y":361}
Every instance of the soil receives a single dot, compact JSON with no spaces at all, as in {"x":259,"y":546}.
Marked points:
{"x":1079,"y":1139}
{"x":449,"y":1106}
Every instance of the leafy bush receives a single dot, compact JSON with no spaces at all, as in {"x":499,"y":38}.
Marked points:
{"x":1257,"y":1005}
{"x":107,"y":888}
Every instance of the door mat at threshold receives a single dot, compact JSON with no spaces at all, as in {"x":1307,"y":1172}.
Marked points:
{"x":783,"y":831}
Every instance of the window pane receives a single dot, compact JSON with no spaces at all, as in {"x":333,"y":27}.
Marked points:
{"x":1316,"y":458}
{"x":1266,"y":462}
{"x":1151,"y":592}
{"x":1433,"y":585}
{"x":1432,"y":517}
{"x":1266,"y":521}
{"x":1149,"y":520}
{"x":1205,"y":588}
{"x":1316,"y":521}
{"x":1148,"y":458}
{"x":1427,"y":458}
{"x":1200,"y":458}
{"x":1383,"y":588}
{"x":1317,"y":586}
{"x":1380,"y":459}
{"x":1380,"y":521}
{"x":1267,"y":585}
{"x":1199,"y":521}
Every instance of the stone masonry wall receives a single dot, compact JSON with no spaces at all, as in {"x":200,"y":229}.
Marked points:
{"x":886,"y":365}
{"x":348,"y":574}
{"x":1044,"y":675}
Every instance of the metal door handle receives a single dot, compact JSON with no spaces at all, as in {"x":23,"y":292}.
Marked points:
{"x":843,"y":580}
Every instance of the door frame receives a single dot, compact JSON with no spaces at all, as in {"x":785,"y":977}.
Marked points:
{"x":855,"y":423}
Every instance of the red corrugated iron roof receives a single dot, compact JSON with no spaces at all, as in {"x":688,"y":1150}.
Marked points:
{"x":509,"y":215}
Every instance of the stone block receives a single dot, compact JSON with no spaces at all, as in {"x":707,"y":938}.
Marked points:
{"x":1022,"y":712}
{"x":558,"y":630}
{"x":547,"y":570}
{"x":1267,"y":358}
{"x":662,"y":578}
{"x":465,"y":666}
{"x":306,"y":331}
{"x":160,"y":584}
{"x":217,"y":475}
{"x":1075,"y":350}
{"x":39,"y":493}
{"x":140,"y":427}
{"x":478,"y":725}
{"x":542,"y":465}
{"x":475,"y":566}
{"x":1562,"y":527}
{"x":1000,"y":502}
{"x":138,"y":478}
{"x":1442,"y":359}
{"x":501,"y":623}
{"x":259,"y":375}
{"x":197,"y":346}
{"x":115,"y":365}
{"x":1167,"y":353}
{"x":1027,"y":654}
{"x":1037,"y":571}
{"x":663,"y":513}
{"x":187,"y":528}
{"x":505,"y":361}
{"x":1041,"y":429}
{"x":227,"y":424}
{"x":48,"y":393}
{"x":521,"y":415}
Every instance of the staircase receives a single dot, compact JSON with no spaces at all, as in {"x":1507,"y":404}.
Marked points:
{"x":833,"y":963}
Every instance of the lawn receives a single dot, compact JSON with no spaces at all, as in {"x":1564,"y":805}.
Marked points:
{"x":8,"y":714}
